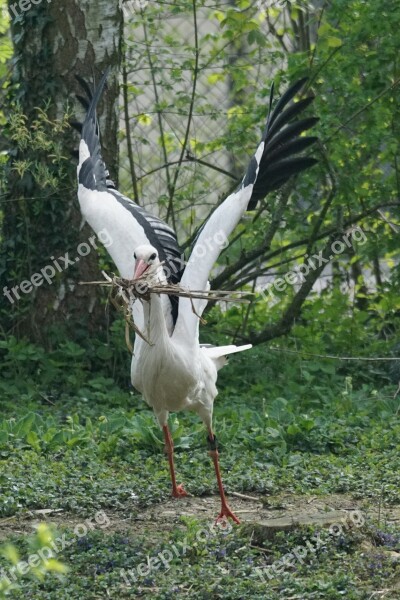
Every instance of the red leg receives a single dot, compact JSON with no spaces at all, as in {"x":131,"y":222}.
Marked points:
{"x":177,"y":490}
{"x":225,"y":508}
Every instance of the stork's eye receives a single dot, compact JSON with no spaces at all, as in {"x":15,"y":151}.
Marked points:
{"x":153,"y":256}
{"x":134,"y":255}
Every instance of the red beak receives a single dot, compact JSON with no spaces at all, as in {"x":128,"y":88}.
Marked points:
{"x":140,"y":268}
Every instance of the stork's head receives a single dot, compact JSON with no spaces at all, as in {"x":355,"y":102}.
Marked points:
{"x":147,"y":260}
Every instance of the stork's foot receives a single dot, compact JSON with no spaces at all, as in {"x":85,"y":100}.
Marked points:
{"x":226,"y":514}
{"x":179,"y":491}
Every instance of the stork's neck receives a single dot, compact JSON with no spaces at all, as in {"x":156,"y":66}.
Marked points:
{"x":154,"y":320}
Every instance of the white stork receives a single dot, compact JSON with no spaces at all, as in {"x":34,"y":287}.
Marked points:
{"x":175,"y":372}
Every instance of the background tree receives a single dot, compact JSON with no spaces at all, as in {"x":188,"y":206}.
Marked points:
{"x":52,"y":43}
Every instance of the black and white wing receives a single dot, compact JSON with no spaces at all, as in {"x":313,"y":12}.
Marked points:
{"x":118,"y":221}
{"x":275,"y":161}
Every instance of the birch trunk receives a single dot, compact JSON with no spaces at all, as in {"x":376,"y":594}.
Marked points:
{"x":53,"y":41}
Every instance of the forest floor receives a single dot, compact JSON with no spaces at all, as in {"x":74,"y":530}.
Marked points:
{"x":313,"y":476}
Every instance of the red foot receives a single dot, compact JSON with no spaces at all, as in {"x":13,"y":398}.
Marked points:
{"x":226,"y":513}
{"x":179,"y":491}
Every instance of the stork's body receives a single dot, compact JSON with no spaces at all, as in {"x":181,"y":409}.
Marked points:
{"x":169,"y":366}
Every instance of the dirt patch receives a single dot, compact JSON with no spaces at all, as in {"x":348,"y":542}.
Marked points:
{"x":251,"y":510}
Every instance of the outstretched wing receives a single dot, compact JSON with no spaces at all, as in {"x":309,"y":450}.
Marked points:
{"x":116,"y":218}
{"x":275,"y":161}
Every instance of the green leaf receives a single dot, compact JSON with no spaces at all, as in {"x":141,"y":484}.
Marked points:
{"x":334,"y":42}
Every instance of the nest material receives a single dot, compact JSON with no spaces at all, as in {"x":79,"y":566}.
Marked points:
{"x":124,"y":292}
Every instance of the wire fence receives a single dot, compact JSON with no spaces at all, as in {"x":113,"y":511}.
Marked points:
{"x":183,"y":92}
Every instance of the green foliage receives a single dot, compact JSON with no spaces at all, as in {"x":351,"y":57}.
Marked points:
{"x":33,"y":178}
{"x":286,"y":425}
{"x":36,"y":569}
{"x":93,"y":368}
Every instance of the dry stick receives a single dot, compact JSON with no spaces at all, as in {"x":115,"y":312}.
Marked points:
{"x":321,"y":14}
{"x":169,"y":289}
{"x":128,"y":291}
{"x":328,"y":202}
{"x":244,"y":496}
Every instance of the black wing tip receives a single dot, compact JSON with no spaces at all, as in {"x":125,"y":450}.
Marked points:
{"x":93,"y":173}
{"x":77,"y":125}
{"x":282,"y":157}
{"x":84,"y":84}
{"x":285,"y":98}
{"x":297,"y":86}
{"x":92,"y":97}
{"x":300,"y":82}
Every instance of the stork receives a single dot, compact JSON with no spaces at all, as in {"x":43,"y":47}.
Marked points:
{"x":174,"y":371}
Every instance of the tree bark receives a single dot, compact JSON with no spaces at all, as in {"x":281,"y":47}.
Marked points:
{"x":54,"y":41}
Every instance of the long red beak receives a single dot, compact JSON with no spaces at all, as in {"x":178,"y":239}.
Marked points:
{"x":140,"y":268}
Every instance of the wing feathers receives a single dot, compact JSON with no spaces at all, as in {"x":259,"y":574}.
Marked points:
{"x":284,"y":138}
{"x":289,"y":114}
{"x":104,"y":207}
{"x":286,"y":98}
{"x":275,"y":161}
{"x":292,"y":147}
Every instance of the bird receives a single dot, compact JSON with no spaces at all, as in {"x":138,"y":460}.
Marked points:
{"x":170,"y":367}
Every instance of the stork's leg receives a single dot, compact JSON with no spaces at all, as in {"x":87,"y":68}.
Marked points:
{"x":177,"y":490}
{"x":225,"y":509}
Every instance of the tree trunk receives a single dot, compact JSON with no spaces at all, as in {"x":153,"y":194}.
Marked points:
{"x":53,"y":41}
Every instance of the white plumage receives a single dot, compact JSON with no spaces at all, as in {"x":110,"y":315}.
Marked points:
{"x":174,"y":371}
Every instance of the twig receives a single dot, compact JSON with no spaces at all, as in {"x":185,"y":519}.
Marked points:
{"x":128,"y":323}
{"x":362,"y":109}
{"x":263,"y":550}
{"x":7,"y":519}
{"x":128,"y":291}
{"x":142,"y":288}
{"x":189,"y":159}
{"x":170,"y":211}
{"x":160,"y":123}
{"x":244,"y":496}
{"x":392,"y":226}
{"x":248,"y":257}
{"x":128,"y":135}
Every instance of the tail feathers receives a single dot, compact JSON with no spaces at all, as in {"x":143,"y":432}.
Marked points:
{"x":283,"y":143}
{"x":219,"y":353}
